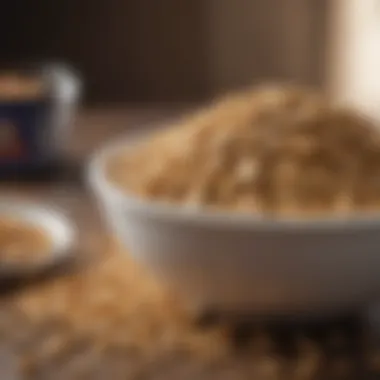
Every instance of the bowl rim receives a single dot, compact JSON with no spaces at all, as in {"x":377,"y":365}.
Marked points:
{"x":53,"y":221}
{"x":203,"y":217}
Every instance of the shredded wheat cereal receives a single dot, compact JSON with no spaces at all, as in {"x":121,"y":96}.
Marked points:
{"x":116,"y":310}
{"x":275,"y":150}
{"x":22,"y":242}
{"x":115,"y":304}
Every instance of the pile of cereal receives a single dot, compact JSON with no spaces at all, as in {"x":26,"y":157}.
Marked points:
{"x":115,"y":303}
{"x":22,"y":242}
{"x":115,"y":318}
{"x":272,"y":150}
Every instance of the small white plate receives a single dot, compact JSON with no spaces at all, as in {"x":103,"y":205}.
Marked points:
{"x":56,"y":225}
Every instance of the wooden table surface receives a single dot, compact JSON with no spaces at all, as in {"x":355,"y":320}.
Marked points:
{"x":94,"y":128}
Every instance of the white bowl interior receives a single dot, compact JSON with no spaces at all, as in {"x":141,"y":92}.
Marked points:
{"x":58,"y":227}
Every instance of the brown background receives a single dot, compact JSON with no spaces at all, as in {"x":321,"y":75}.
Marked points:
{"x":170,"y":50}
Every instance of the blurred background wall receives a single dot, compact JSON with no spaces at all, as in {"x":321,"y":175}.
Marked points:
{"x":170,"y":50}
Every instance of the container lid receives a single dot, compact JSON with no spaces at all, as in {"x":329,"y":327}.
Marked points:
{"x":28,"y":82}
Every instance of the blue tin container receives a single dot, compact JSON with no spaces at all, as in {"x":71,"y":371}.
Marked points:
{"x":33,"y":127}
{"x":23,"y":134}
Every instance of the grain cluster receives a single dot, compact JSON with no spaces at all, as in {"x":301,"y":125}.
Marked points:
{"x":272,"y":150}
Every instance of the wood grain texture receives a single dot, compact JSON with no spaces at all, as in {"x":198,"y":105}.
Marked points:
{"x":173,"y":50}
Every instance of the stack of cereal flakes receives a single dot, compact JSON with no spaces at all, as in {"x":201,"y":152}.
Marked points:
{"x":113,"y":320}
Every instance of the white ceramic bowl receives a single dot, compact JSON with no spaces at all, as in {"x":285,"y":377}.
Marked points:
{"x":241,"y":263}
{"x":53,"y":222}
